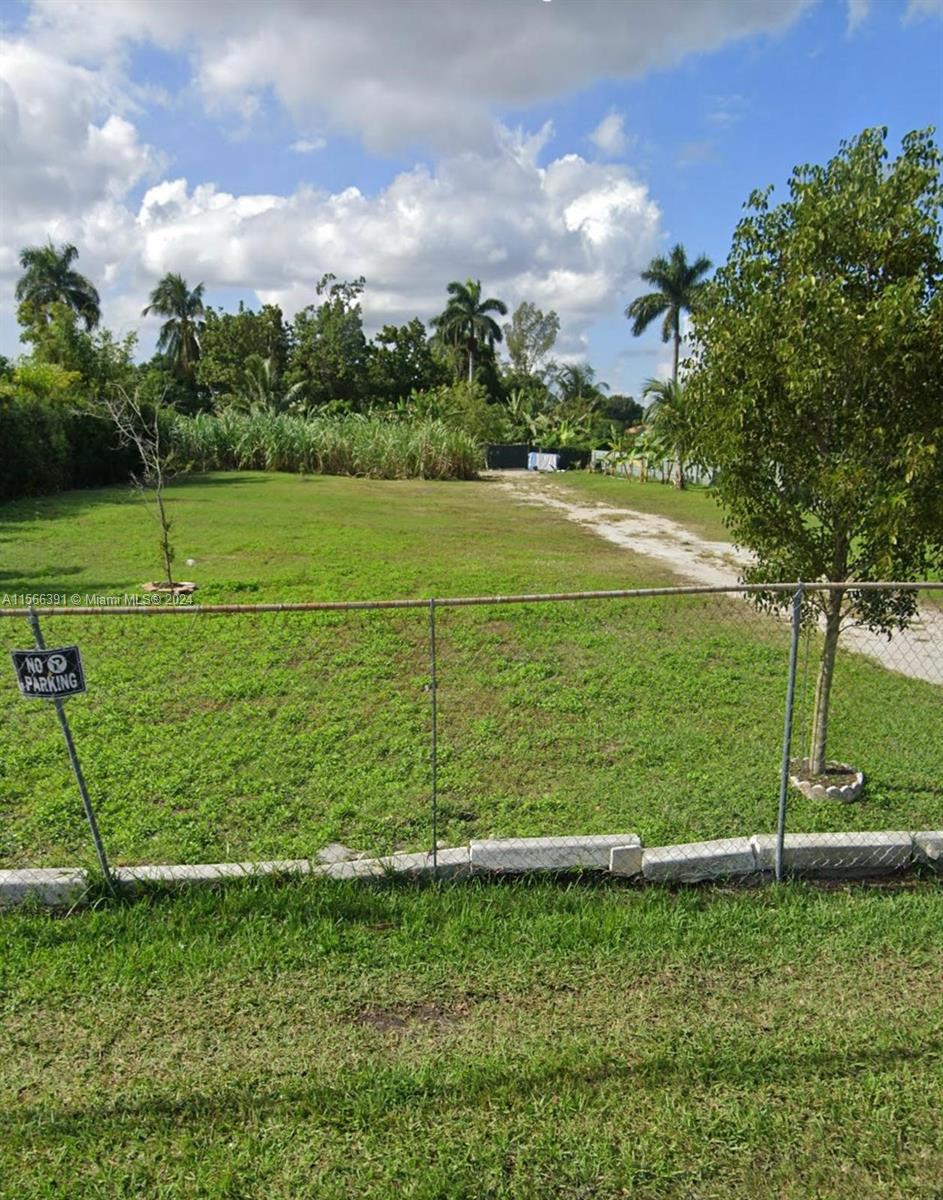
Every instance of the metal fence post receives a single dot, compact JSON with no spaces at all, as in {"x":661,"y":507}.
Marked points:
{"x":76,"y":765}
{"x":787,"y":728}
{"x":433,"y":765}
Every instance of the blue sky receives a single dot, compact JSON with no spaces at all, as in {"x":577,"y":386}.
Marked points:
{"x":467,"y":132}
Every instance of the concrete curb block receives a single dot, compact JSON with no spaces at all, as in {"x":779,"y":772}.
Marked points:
{"x":822,"y":855}
{"x":448,"y":864}
{"x":694,"y":862}
{"x":626,"y":861}
{"x":837,"y":855}
{"x":515,"y":855}
{"x":53,"y":886}
{"x":928,"y":848}
{"x":130,"y":877}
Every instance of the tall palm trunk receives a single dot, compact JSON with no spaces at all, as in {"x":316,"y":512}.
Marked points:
{"x":471,"y":359}
{"x":679,"y":473}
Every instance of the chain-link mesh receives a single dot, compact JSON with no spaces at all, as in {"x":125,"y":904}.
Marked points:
{"x":882,"y":779}
{"x":640,"y":733}
{"x":602,"y":723}
{"x":221,"y":739}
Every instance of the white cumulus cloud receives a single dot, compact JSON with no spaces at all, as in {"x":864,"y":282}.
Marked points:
{"x":400,"y":74}
{"x":569,"y":234}
{"x":609,"y":136}
{"x":308,"y":145}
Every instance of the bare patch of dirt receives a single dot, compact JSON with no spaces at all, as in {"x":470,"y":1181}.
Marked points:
{"x":400,"y":1018}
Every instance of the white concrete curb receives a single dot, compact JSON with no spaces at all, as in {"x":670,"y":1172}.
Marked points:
{"x":54,"y":886}
{"x":548,"y":853}
{"x":837,"y":855}
{"x":928,"y":848}
{"x":208,"y":872}
{"x":820,"y":855}
{"x":697,"y":861}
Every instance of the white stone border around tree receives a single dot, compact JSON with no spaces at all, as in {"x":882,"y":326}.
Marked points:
{"x":844,"y":793}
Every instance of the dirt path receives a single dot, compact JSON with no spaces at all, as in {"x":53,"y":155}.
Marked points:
{"x":917,"y":652}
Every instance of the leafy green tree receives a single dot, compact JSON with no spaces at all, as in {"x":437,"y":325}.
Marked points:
{"x":49,"y":278}
{"x":467,"y":325}
{"x":41,"y":381}
{"x":529,"y":337}
{"x":232,"y":347}
{"x":670,"y":422}
{"x":818,"y":358}
{"x":679,"y":286}
{"x":327,"y":360}
{"x":399,"y":362}
{"x":463,"y":405}
{"x":179,"y":340}
{"x":98,"y":359}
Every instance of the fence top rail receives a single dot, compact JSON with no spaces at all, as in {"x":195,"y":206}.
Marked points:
{"x":150,"y":609}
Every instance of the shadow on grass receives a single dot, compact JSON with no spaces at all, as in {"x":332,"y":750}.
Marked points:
{"x":376,"y":1092}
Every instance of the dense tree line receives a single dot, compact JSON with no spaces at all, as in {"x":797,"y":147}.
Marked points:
{"x":320,"y":362}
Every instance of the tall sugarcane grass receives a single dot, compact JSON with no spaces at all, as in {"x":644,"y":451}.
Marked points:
{"x":371,"y":447}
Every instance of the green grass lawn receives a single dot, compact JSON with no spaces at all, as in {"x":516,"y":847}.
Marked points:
{"x":238,"y":737}
{"x":533,"y":1039}
{"x":476,"y":1041}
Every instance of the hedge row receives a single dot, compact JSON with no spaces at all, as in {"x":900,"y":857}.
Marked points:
{"x":45,"y":447}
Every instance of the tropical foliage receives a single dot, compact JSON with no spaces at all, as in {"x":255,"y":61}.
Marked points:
{"x":374,"y":447}
{"x":179,"y":340}
{"x":467,"y":326}
{"x":679,"y":286}
{"x":670,"y":432}
{"x":529,"y":337}
{"x":49,"y":278}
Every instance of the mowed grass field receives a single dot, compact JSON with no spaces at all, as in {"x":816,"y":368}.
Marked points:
{"x":221,"y":738}
{"x":524,"y":1040}
{"x":575,"y":1039}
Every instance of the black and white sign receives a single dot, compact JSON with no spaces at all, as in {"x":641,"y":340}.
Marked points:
{"x":48,"y":674}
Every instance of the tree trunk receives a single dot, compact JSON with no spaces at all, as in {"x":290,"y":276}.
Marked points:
{"x":166,"y":552}
{"x":679,"y":475}
{"x":823,"y":687}
{"x":677,"y":350}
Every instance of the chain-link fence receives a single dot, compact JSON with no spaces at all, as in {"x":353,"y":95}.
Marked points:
{"x":668,"y":734}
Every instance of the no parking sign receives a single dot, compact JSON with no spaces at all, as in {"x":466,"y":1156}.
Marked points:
{"x":49,"y":674}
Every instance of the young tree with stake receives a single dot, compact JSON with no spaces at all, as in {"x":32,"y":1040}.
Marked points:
{"x":817,"y":384}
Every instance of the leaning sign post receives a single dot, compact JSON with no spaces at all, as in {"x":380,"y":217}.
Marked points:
{"x":55,"y":675}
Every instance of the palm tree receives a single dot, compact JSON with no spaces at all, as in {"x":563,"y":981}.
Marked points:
{"x":669,"y":425}
{"x":679,"y":286}
{"x":179,"y":339}
{"x":467,"y":321}
{"x":577,"y":381}
{"x":48,"y":279}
